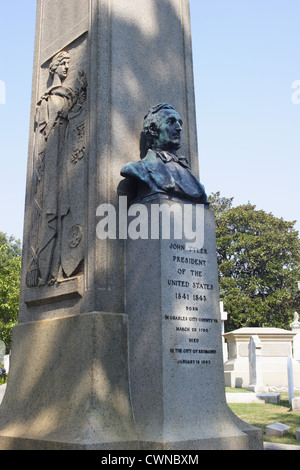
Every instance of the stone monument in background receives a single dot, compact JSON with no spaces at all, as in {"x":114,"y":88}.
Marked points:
{"x":255,"y":365}
{"x":124,"y":332}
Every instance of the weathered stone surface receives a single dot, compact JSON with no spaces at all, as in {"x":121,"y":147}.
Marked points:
{"x":76,"y":396}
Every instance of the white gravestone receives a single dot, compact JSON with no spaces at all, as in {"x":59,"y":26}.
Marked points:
{"x":223,"y":320}
{"x":290,"y":374}
{"x":99,"y":65}
{"x":6,"y":362}
{"x":255,"y":366}
{"x":295,"y":326}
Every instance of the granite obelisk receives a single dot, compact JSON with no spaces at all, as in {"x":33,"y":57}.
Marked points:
{"x":99,"y":65}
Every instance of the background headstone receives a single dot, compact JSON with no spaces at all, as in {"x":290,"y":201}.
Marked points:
{"x":223,"y":320}
{"x":295,"y":326}
{"x":290,"y":374}
{"x":255,"y":365}
{"x":277,"y":429}
{"x":6,"y":362}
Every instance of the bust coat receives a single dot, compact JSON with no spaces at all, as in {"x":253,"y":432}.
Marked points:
{"x":166,"y":173}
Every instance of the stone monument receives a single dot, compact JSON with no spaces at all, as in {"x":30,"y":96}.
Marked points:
{"x":125,"y":337}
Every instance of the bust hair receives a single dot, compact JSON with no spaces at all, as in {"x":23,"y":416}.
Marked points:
{"x":153,"y":118}
{"x":57,"y":59}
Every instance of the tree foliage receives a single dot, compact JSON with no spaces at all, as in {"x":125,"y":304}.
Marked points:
{"x":259,"y":265}
{"x":10,"y":269}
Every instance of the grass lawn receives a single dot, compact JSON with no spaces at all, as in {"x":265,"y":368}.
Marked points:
{"x":261,"y":415}
{"x":237,"y":390}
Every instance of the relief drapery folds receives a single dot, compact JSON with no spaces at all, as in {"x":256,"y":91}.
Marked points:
{"x":57,"y":206}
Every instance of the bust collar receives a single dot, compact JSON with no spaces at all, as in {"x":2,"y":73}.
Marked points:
{"x":167,"y":157}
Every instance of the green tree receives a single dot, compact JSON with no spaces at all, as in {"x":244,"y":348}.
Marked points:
{"x":259,"y":265}
{"x":10,"y":269}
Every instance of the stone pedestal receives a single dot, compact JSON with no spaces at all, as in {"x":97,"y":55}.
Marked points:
{"x":68,"y":387}
{"x":176,"y":361}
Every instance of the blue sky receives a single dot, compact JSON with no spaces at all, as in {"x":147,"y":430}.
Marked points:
{"x":246,"y":58}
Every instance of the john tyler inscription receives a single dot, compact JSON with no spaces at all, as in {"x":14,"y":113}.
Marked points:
{"x":190,"y":294}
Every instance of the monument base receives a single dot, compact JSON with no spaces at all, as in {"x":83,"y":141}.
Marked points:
{"x":68,"y":389}
{"x":68,"y":386}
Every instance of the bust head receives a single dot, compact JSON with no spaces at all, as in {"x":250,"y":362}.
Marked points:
{"x":163,"y":128}
{"x":60,"y":65}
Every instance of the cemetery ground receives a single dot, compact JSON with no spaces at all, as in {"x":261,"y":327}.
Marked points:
{"x":261,"y":415}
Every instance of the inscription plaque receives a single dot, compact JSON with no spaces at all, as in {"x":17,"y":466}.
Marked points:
{"x":191,"y":323}
{"x":190,"y":292}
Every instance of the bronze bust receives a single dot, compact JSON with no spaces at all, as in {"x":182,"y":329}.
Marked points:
{"x":162,"y":170}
